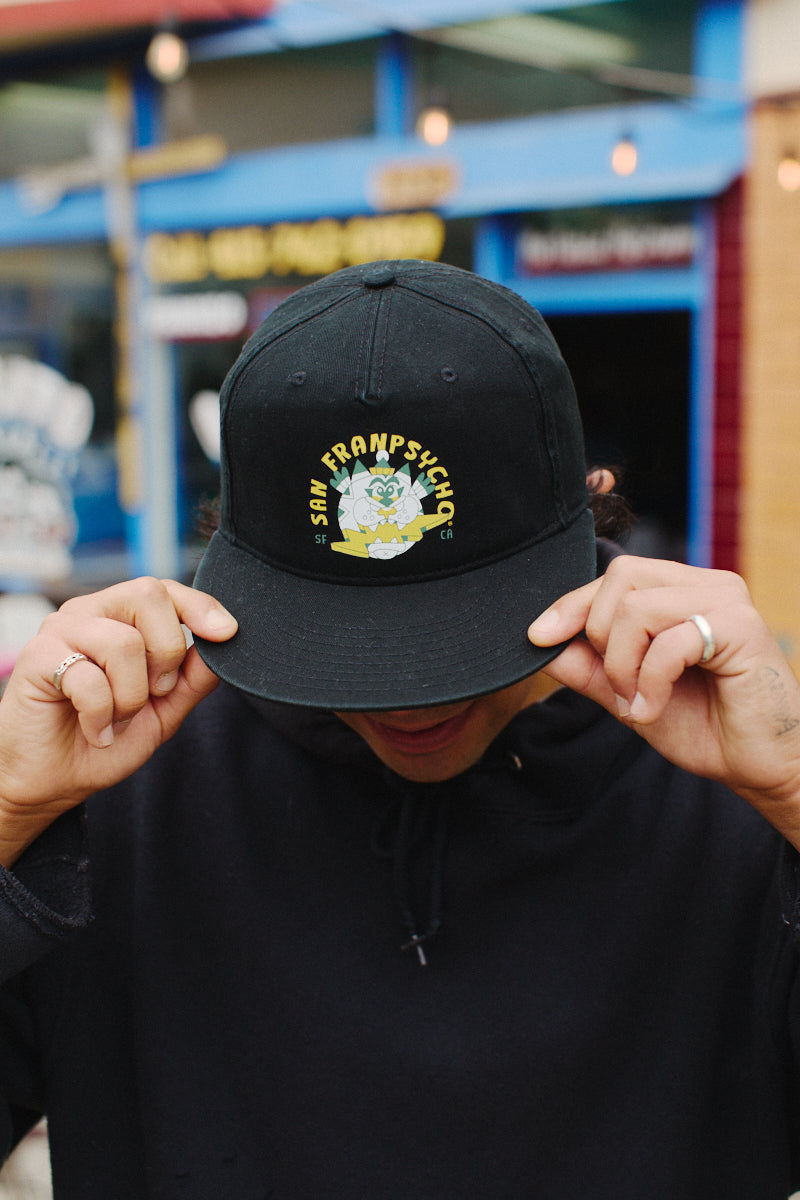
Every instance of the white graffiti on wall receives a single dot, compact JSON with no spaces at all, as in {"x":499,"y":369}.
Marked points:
{"x":45,"y":422}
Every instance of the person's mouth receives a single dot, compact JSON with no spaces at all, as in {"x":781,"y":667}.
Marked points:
{"x":423,"y":738}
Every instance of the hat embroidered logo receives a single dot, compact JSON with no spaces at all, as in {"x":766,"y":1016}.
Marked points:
{"x":381,"y":510}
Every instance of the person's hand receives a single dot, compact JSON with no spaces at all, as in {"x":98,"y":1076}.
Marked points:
{"x":734,"y":717}
{"x":113,"y":708}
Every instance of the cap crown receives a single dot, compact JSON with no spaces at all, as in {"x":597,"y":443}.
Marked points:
{"x":399,"y":421}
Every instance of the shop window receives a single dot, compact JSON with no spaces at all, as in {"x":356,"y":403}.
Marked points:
{"x":200,"y":368}
{"x":313,"y":95}
{"x":48,"y":121}
{"x":56,"y":312}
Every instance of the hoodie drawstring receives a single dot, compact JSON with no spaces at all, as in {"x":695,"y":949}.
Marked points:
{"x":416,"y":820}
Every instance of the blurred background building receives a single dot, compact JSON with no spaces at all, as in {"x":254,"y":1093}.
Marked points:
{"x":630,"y":167}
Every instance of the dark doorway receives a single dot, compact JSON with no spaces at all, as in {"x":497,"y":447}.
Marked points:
{"x":631,"y":373}
{"x":199,"y":366}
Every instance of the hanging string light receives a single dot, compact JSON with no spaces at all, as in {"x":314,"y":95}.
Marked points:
{"x":789,"y":172}
{"x":435,"y":121}
{"x":624,"y":156}
{"x":167,"y":57}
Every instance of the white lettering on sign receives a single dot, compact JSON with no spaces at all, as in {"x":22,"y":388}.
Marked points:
{"x":196,"y":315}
{"x":620,"y":247}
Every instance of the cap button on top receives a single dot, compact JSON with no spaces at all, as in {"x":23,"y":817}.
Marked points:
{"x":379,"y":277}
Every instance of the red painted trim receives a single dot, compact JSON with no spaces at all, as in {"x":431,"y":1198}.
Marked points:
{"x":64,"y":16}
{"x":727,"y":381}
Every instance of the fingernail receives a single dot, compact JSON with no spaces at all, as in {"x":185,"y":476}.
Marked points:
{"x":106,"y":737}
{"x":221,"y":619}
{"x":638,"y":707}
{"x":165,"y":683}
{"x":545,"y":626}
{"x":623,"y":707}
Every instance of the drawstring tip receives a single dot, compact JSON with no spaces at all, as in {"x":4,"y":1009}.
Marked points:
{"x":416,"y":942}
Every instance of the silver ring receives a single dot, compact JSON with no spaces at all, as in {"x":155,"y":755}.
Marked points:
{"x":68,"y":662}
{"x":704,"y":629}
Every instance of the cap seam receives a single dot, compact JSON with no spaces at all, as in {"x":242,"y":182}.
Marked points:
{"x":254,"y":346}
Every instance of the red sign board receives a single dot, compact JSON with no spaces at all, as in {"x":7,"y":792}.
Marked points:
{"x":29,"y":23}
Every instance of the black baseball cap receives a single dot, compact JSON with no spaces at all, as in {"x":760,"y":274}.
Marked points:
{"x":403,"y":490}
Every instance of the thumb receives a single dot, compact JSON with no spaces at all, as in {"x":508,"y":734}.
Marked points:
{"x":195,"y":682}
{"x":580,"y":668}
{"x":201,"y":613}
{"x":566,"y":617}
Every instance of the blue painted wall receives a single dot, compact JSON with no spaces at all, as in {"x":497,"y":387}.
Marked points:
{"x":561,"y":160}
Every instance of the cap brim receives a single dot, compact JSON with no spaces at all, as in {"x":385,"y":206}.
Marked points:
{"x":394,"y":646}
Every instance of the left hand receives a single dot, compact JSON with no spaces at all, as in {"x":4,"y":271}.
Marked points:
{"x":736,"y":718}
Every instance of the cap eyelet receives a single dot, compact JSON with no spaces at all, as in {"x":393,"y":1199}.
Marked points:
{"x":448,"y":374}
{"x":298,"y":378}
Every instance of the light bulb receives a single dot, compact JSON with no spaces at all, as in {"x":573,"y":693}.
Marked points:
{"x":167,"y":57}
{"x":789,"y":173}
{"x":433,"y":125}
{"x":624,"y":157}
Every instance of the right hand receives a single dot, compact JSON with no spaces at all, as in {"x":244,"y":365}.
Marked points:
{"x":115,"y":708}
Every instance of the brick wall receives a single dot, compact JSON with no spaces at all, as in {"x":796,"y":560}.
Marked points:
{"x":770,"y":492}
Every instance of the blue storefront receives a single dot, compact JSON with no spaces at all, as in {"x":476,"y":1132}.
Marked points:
{"x":167,"y":262}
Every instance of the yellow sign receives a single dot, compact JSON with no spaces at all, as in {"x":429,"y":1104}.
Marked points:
{"x":423,"y":184}
{"x":291,"y":248}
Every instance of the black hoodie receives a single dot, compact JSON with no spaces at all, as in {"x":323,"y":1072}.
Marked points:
{"x":606,"y":1013}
